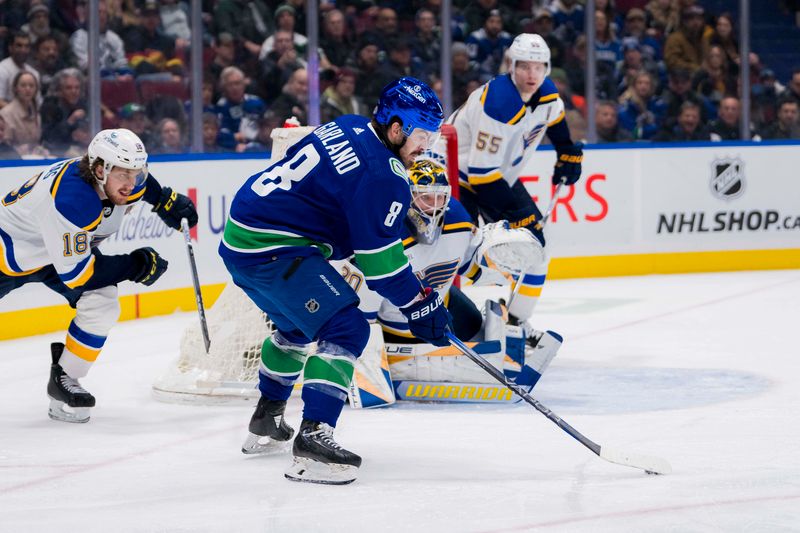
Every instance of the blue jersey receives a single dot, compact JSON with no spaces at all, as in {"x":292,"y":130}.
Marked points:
{"x":339,"y":190}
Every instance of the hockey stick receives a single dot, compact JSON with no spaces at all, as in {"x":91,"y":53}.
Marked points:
{"x":546,"y":216}
{"x":201,"y":310}
{"x":651,"y":465}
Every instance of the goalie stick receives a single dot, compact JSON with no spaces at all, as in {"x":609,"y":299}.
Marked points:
{"x":546,"y":216}
{"x":201,"y":310}
{"x":651,"y":465}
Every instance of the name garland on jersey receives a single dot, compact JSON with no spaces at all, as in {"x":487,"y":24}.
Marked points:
{"x":342,"y":154}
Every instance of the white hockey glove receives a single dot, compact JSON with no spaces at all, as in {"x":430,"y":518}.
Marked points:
{"x":511,"y":251}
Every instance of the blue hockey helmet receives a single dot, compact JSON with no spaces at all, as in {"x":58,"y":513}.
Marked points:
{"x":413,"y":102}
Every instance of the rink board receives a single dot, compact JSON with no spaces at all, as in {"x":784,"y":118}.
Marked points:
{"x":691,"y":208}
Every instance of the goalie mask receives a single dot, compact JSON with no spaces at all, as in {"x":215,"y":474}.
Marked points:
{"x":430,"y":194}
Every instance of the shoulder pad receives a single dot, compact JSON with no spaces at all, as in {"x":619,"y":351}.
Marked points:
{"x":548,"y":92}
{"x":501,"y":100}
{"x":456,"y":214}
{"x":75,"y":199}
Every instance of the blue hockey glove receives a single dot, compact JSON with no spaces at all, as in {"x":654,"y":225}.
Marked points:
{"x":428,"y":319}
{"x":152,"y":266}
{"x":568,"y":164}
{"x":173,"y":206}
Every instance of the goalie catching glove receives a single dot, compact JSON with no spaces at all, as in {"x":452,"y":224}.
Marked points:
{"x":172,"y":206}
{"x":510,"y":251}
{"x":568,"y":166}
{"x":428,"y":318}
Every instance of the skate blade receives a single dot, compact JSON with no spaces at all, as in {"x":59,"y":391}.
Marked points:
{"x":259,"y":445}
{"x":309,"y":471}
{"x":63,"y":413}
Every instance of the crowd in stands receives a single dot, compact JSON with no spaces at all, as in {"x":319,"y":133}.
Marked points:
{"x":667,"y":70}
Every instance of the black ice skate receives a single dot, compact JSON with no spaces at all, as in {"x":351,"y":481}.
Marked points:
{"x":319,"y":459}
{"x":69,"y":402}
{"x":269,"y":433}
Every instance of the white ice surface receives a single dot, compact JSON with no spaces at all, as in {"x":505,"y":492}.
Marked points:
{"x":701,"y":370}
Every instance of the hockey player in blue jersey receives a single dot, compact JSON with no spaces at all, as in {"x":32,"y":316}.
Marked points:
{"x":341,"y":191}
{"x":499,"y":128}
{"x":49,"y":229}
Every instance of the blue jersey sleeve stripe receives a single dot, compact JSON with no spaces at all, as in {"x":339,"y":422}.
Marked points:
{"x":93,"y":225}
{"x":135,"y":195}
{"x":57,"y":181}
{"x":86,"y":338}
{"x":531,"y":279}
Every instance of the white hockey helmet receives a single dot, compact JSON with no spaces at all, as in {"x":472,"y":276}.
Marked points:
{"x":529,"y":47}
{"x":119,"y":148}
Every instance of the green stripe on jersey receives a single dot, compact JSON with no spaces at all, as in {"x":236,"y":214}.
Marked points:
{"x":336,"y":371}
{"x":383,"y":262}
{"x":249,"y":240}
{"x":281,"y":362}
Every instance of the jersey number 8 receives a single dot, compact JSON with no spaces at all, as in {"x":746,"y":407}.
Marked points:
{"x":282,"y":176}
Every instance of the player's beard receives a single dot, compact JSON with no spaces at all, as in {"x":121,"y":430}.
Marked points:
{"x":115,"y":195}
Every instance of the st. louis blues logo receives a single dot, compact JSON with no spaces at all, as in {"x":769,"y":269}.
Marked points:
{"x":531,"y":136}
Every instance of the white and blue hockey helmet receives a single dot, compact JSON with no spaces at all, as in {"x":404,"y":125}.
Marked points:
{"x":529,"y":47}
{"x":416,"y":105}
{"x":119,"y":148}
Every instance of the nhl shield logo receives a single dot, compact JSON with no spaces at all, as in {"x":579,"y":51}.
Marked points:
{"x":727,"y":178}
{"x":312,"y":305}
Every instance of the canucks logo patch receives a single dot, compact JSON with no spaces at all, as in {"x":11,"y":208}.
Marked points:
{"x":398,"y":168}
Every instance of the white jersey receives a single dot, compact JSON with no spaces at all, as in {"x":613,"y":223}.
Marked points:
{"x":436,"y":265}
{"x":54,"y":219}
{"x":498,"y":132}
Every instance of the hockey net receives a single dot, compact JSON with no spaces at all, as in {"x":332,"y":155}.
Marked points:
{"x":237,"y":328}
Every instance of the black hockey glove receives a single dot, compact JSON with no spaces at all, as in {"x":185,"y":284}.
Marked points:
{"x":173,"y":206}
{"x":568,"y":164}
{"x":152,"y":266}
{"x":428,"y":319}
{"x":529,"y":218}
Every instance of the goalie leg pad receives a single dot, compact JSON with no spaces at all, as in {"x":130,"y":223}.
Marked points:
{"x":372,"y":383}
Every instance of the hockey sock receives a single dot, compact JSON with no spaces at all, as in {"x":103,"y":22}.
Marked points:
{"x":326,"y":381}
{"x":281,"y":364}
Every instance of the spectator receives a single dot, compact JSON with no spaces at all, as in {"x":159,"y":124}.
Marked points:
{"x":608,"y":51}
{"x":19,"y":50}
{"x":688,"y":127}
{"x":224,"y":48}
{"x":726,"y":126}
{"x":211,"y":133}
{"x":278,"y":65}
{"x":636,"y":28}
{"x":608,"y":128}
{"x":477,"y":12}
{"x":285,"y":21}
{"x":615,"y":21}
{"x":714,"y":80}
{"x":574,"y":105}
{"x":148,"y":37}
{"x":664,"y":14}
{"x":12,"y":17}
{"x":339,"y":99}
{"x":568,"y":16}
{"x":488,"y":44}
{"x":385,"y":28}
{"x":263,"y":142}
{"x":724,"y":37}
{"x":633,"y":61}
{"x":293,"y":101}
{"x":641,"y":112}
{"x":334,"y":40}
{"x":63,"y":111}
{"x":426,"y":43}
{"x":542,"y":24}
{"x":464,"y":71}
{"x":6,"y":150}
{"x":47,"y":60}
{"x":237,"y":110}
{"x":400,"y":62}
{"x":170,"y":137}
{"x":684,"y":48}
{"x":248,"y":21}
{"x":793,"y":86}
{"x":23,"y":123}
{"x":606,"y":84}
{"x":370,"y":80}
{"x":678,"y":91}
{"x":122,"y":15}
{"x":132,"y":116}
{"x":38,"y":25}
{"x":785,"y":127}
{"x":174,"y":16}
{"x":112,"y":49}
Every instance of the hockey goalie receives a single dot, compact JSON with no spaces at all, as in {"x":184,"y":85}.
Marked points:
{"x":441,"y":242}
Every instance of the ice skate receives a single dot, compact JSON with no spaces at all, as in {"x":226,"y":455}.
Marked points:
{"x":69,"y":402}
{"x":268,"y":432}
{"x":319,"y":459}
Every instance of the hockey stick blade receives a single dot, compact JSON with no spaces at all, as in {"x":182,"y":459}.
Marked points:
{"x":201,"y":310}
{"x":651,"y":465}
